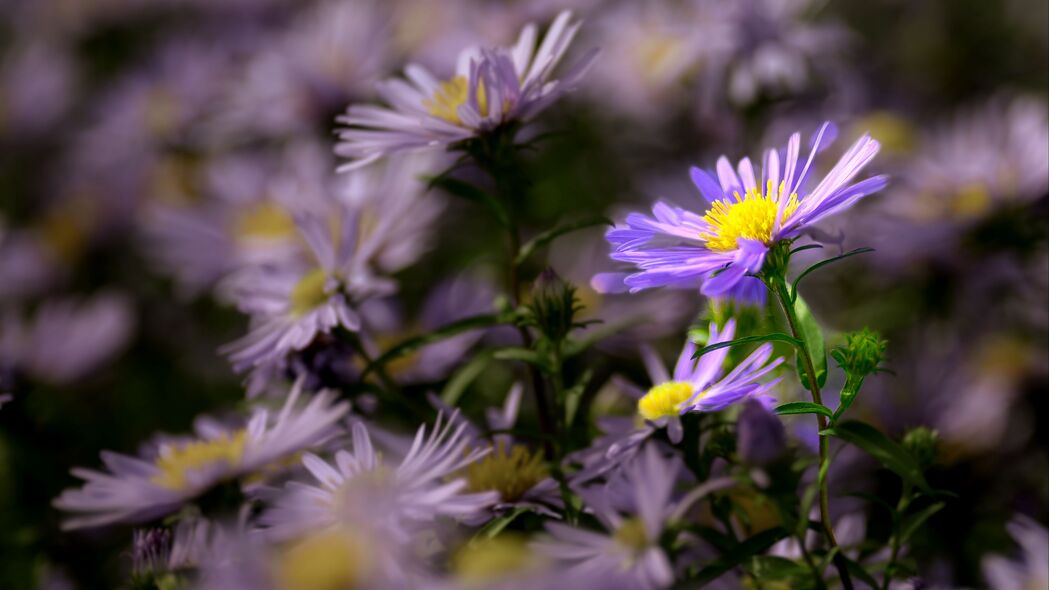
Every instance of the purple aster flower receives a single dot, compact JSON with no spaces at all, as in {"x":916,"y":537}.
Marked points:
{"x":364,"y":491}
{"x":1032,"y":571}
{"x":633,"y":509}
{"x":66,"y":339}
{"x":140,"y":489}
{"x":518,"y":473}
{"x":728,"y":243}
{"x":491,"y":87}
{"x":694,"y":386}
{"x":291,"y":303}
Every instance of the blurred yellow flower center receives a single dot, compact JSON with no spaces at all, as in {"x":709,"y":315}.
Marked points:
{"x":664,"y":400}
{"x":264,"y":220}
{"x":972,"y":200}
{"x":326,"y":561}
{"x":751,"y":216}
{"x":175,"y":463}
{"x":510,"y":472}
{"x":309,"y":293}
{"x":453,"y":94}
{"x":631,"y":535}
{"x":481,"y":561}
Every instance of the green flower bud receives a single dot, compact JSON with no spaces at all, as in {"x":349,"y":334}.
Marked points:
{"x":922,"y":443}
{"x":862,"y":353}
{"x":553,"y":305}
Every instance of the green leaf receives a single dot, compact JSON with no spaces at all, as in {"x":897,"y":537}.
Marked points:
{"x":821,"y":264}
{"x":803,"y":408}
{"x":561,"y":229}
{"x":496,"y":525}
{"x":517,"y":353}
{"x":774,"y":337}
{"x":770,"y":567}
{"x":810,"y":332}
{"x":858,"y":571}
{"x":754,"y":545}
{"x":805,"y":247}
{"x":471,"y":192}
{"x":414,"y":343}
{"x":912,"y":523}
{"x":464,"y":376}
{"x":881,"y":447}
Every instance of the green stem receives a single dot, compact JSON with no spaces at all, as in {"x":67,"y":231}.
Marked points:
{"x":779,"y":286}
{"x":901,"y":507}
{"x":496,"y":155}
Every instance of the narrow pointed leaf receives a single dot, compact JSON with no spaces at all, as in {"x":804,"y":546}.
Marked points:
{"x":803,"y":408}
{"x":447,"y":331}
{"x":912,"y":523}
{"x":754,"y":545}
{"x":774,"y":337}
{"x":550,"y":235}
{"x":821,"y":264}
{"x":893,"y":456}
{"x":810,"y":332}
{"x":470,"y":192}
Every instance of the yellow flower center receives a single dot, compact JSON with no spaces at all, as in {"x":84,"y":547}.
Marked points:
{"x":631,"y":535}
{"x":175,"y":463}
{"x":265,"y":220}
{"x":751,"y":216}
{"x":332,"y":560}
{"x":309,"y":293}
{"x":510,"y":472}
{"x":972,"y":200}
{"x":451,"y":95}
{"x":485,"y":560}
{"x":664,"y":400}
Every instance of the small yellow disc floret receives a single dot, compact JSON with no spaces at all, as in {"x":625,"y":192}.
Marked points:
{"x":664,"y":400}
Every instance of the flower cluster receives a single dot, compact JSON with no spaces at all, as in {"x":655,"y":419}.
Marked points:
{"x":380,"y":262}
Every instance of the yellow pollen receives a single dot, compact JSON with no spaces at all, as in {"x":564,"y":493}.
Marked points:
{"x":264,"y":220}
{"x":332,"y":560}
{"x":453,"y":94}
{"x":751,"y":216}
{"x":664,"y":400}
{"x":510,"y":472}
{"x":631,"y":535}
{"x":175,"y":463}
{"x":309,"y":293}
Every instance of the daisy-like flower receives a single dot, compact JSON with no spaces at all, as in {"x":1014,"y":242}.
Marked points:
{"x":134,"y":489}
{"x":362,"y":491}
{"x":293,"y":302}
{"x":491,"y":87}
{"x":518,"y":473}
{"x":1032,"y":570}
{"x":65,"y":339}
{"x":729,"y":242}
{"x":634,"y":510}
{"x":702,"y":386}
{"x":693,"y":386}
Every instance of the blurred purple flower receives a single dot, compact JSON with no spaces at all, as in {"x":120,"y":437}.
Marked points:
{"x":491,"y":87}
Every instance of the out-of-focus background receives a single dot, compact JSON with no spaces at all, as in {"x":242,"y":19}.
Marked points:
{"x":139,"y":140}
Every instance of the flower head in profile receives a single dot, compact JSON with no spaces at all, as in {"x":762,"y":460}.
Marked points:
{"x":138,"y":489}
{"x":746,"y":215}
{"x":693,"y":386}
{"x":703,"y":386}
{"x":491,"y":87}
{"x":364,"y":491}
{"x":633,"y":509}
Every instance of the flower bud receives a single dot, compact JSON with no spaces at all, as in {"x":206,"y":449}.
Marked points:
{"x":553,"y":305}
{"x":760,"y":438}
{"x":922,"y":443}
{"x":862,"y":353}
